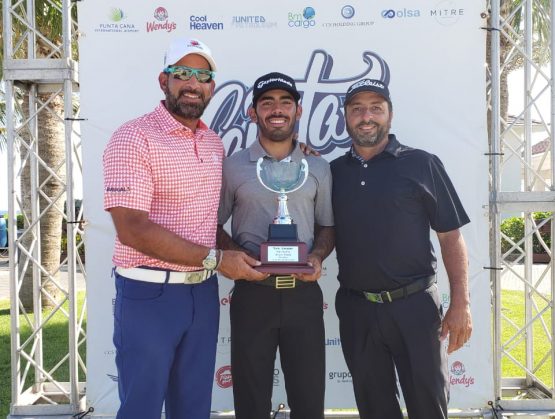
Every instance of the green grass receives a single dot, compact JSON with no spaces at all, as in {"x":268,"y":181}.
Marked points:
{"x":55,"y":337}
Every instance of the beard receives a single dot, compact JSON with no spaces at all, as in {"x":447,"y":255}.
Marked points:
{"x":368,"y":139}
{"x":184,"y":109}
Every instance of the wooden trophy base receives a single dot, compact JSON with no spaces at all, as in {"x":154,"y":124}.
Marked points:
{"x":284,"y":258}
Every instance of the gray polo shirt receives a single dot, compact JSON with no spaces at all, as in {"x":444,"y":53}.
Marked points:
{"x":253,"y":207}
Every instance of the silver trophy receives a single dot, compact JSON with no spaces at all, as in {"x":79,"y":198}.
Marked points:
{"x":282,"y":252}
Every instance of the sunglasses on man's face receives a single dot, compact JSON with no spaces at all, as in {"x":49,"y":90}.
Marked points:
{"x":181,"y":72}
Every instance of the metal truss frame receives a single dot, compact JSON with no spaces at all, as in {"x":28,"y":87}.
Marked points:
{"x":35,"y":389}
{"x":37,"y":386}
{"x":517,"y":346}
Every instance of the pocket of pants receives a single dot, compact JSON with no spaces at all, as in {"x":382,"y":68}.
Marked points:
{"x":130,"y":289}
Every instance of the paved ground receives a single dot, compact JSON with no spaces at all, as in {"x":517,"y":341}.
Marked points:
{"x":5,"y":279}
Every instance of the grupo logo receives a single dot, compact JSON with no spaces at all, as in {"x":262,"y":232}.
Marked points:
{"x":161,"y":22}
{"x":347,"y":11}
{"x":223,"y":377}
{"x":459,"y":376}
{"x":340,"y":376}
{"x":447,"y":12}
{"x":400,"y":13}
{"x":306,"y":19}
{"x":201,"y":23}
{"x":117,"y":22}
{"x":323,"y":126}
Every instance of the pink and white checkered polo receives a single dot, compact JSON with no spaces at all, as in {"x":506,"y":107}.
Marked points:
{"x":157,"y":165}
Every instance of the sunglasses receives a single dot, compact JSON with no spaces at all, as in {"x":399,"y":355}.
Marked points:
{"x":183,"y":73}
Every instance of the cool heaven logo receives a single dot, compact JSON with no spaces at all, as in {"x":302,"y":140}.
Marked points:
{"x":201,"y":23}
{"x":322,"y":125}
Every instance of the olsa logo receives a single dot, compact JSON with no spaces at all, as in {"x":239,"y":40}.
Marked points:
{"x":223,"y":377}
{"x":401,"y":13}
{"x":306,"y":19}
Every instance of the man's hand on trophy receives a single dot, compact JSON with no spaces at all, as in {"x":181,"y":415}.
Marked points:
{"x":316,"y":263}
{"x":238,"y":265}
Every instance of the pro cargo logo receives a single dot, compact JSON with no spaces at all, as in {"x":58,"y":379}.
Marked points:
{"x":161,"y":21}
{"x":306,"y":19}
{"x":223,"y":377}
{"x":459,"y":376}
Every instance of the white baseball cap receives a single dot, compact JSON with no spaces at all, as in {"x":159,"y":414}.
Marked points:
{"x":180,"y":47}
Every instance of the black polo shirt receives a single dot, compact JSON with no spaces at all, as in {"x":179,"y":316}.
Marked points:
{"x":384,"y":209}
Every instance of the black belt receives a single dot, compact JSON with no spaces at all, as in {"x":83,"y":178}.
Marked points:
{"x":280,"y":282}
{"x":398,"y":293}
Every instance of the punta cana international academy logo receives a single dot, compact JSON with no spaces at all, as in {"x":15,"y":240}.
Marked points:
{"x":116,"y":21}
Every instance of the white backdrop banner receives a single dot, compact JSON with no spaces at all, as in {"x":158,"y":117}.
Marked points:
{"x":432,"y":55}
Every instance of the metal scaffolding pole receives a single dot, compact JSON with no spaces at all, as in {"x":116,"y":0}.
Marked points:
{"x":40,"y":65}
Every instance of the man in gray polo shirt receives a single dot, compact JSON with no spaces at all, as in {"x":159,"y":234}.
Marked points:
{"x":264,"y":317}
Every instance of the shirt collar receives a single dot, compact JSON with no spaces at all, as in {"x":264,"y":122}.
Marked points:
{"x":169,"y":124}
{"x":392,"y":148}
{"x":256,"y":151}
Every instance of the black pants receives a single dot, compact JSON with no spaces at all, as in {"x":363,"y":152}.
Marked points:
{"x":262,"y":319}
{"x":403,"y":335}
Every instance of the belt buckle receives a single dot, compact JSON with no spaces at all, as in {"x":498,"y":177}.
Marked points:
{"x":193,"y":277}
{"x":380,"y":297}
{"x":284,"y":282}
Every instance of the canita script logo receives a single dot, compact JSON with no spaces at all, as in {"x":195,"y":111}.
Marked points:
{"x":459,"y":376}
{"x":223,"y":377}
{"x":322,"y":125}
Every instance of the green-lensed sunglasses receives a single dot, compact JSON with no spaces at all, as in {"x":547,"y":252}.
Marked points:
{"x":184,"y":73}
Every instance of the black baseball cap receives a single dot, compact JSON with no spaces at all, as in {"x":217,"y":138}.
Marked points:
{"x":367,"y":85}
{"x":273,"y":81}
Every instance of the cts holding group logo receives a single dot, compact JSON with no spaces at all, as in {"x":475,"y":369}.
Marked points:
{"x":306,"y":19}
{"x":400,"y":13}
{"x":161,"y":22}
{"x":347,"y":12}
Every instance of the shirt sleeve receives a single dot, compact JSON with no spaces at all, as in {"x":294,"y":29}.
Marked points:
{"x":323,"y":212}
{"x":128,"y":180}
{"x":443,"y":205}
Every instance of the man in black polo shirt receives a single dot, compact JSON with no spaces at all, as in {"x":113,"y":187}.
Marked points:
{"x":386,"y":196}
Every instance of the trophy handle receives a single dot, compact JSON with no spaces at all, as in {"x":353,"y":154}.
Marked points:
{"x":258,"y":171}
{"x":304,"y":168}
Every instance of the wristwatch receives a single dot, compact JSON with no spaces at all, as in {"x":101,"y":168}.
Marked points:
{"x":211,"y":261}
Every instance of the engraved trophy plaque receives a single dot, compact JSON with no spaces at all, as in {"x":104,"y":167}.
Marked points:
{"x":283,"y":253}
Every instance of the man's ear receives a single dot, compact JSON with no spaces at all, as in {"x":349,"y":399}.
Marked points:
{"x":163,"y":81}
{"x":252,"y":114}
{"x":298,"y":112}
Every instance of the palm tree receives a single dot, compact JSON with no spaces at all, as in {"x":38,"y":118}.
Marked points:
{"x":51,"y":147}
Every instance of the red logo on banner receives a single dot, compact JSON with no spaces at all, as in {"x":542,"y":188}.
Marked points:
{"x":459,"y":376}
{"x":226,"y":300}
{"x":223,"y":377}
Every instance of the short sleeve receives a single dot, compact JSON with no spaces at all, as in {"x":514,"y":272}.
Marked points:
{"x":323,"y":212}
{"x":128,"y":178}
{"x":226,"y":195}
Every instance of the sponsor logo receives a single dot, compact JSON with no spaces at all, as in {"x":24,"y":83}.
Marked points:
{"x":223,"y":377}
{"x":323,"y":125}
{"x":445,"y":301}
{"x":226,"y":300}
{"x":400,"y":13}
{"x":251,"y":22}
{"x":340,"y":376}
{"x":447,"y":12}
{"x":459,"y":376}
{"x":347,"y":12}
{"x":306,"y":19}
{"x":224,"y":340}
{"x":121,"y":189}
{"x":110,"y":352}
{"x":366,"y":83}
{"x":117,"y":22}
{"x":325,"y":306}
{"x":333,"y":342}
{"x":201,"y":23}
{"x":112,"y":377}
{"x":161,"y":22}
{"x":276,"y":379}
